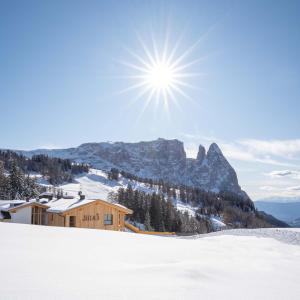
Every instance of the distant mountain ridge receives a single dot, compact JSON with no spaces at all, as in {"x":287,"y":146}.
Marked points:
{"x":159,"y":159}
{"x":288,"y":212}
{"x":279,"y":199}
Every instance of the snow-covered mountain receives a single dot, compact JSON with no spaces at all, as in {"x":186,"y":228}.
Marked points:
{"x":159,"y":159}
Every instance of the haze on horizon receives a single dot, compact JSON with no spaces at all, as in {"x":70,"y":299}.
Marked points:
{"x":62,"y":80}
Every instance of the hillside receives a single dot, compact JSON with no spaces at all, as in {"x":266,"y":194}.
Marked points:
{"x":221,"y":210}
{"x":93,"y":264}
{"x":55,"y":170}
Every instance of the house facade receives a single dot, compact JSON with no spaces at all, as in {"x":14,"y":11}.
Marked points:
{"x":20,"y":211}
{"x":97,"y":214}
{"x":81,"y":213}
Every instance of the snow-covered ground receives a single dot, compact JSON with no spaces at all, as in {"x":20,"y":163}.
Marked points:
{"x":217,"y":223}
{"x":284,"y":235}
{"x":186,"y":207}
{"x":95,"y":185}
{"x":39,"y":262}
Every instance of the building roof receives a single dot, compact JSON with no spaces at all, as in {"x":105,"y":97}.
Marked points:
{"x":58,"y":205}
{"x":64,"y":205}
{"x":5,"y":205}
{"x":46,"y":194}
{"x":26,"y":204}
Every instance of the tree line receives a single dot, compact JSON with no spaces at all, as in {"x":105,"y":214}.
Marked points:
{"x":210,"y":203}
{"x":159,"y":214}
{"x":237,"y":212}
{"x":14,"y":184}
{"x":55,"y":170}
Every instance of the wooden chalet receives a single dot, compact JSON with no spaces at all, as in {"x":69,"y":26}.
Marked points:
{"x":98,"y":214}
{"x":82,"y":213}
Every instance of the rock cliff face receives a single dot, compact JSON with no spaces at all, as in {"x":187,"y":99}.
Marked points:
{"x":160,"y":159}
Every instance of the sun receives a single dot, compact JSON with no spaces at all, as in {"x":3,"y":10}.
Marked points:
{"x":160,"y":75}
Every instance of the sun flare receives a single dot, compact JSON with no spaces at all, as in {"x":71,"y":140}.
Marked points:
{"x":160,"y":75}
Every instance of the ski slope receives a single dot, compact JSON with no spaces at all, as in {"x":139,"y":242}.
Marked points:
{"x":96,"y":185}
{"x":40,"y":262}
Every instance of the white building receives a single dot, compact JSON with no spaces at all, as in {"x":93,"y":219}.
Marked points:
{"x":20,"y":211}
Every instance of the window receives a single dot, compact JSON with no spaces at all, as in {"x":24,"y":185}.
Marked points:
{"x":108,"y":219}
{"x":36,"y":215}
{"x":72,"y":221}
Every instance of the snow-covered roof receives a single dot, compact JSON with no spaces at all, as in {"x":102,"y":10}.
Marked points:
{"x":121,"y":206}
{"x":8,"y":204}
{"x":15,"y":202}
{"x":46,"y":194}
{"x":5,"y":207}
{"x":63,"y":205}
{"x":56,"y":205}
{"x":25,"y":204}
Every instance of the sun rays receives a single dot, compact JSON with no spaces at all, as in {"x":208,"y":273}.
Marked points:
{"x":161,"y":76}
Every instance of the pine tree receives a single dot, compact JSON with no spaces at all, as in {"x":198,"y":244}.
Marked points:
{"x":16,"y":181}
{"x":30,"y":189}
{"x":156,"y":213}
{"x":3,"y":182}
{"x":147,"y":222}
{"x":169,"y":215}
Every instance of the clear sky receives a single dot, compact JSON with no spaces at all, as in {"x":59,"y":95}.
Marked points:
{"x":63,"y":73}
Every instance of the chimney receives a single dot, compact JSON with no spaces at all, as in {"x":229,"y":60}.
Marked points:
{"x":81,"y":196}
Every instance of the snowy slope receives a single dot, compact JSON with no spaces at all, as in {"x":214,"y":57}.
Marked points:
{"x":95,"y":185}
{"x":40,"y":262}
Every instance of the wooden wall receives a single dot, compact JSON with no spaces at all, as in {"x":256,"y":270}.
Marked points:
{"x":55,"y":220}
{"x":90,"y":216}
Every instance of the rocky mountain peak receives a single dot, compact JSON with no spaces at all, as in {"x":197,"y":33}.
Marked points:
{"x":214,"y":149}
{"x":174,"y":144}
{"x":159,"y":159}
{"x":201,"y":154}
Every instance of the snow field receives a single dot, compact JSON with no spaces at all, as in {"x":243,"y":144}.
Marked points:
{"x":40,"y":262}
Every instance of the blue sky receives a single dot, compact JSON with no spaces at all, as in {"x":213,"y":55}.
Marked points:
{"x":61,"y":79}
